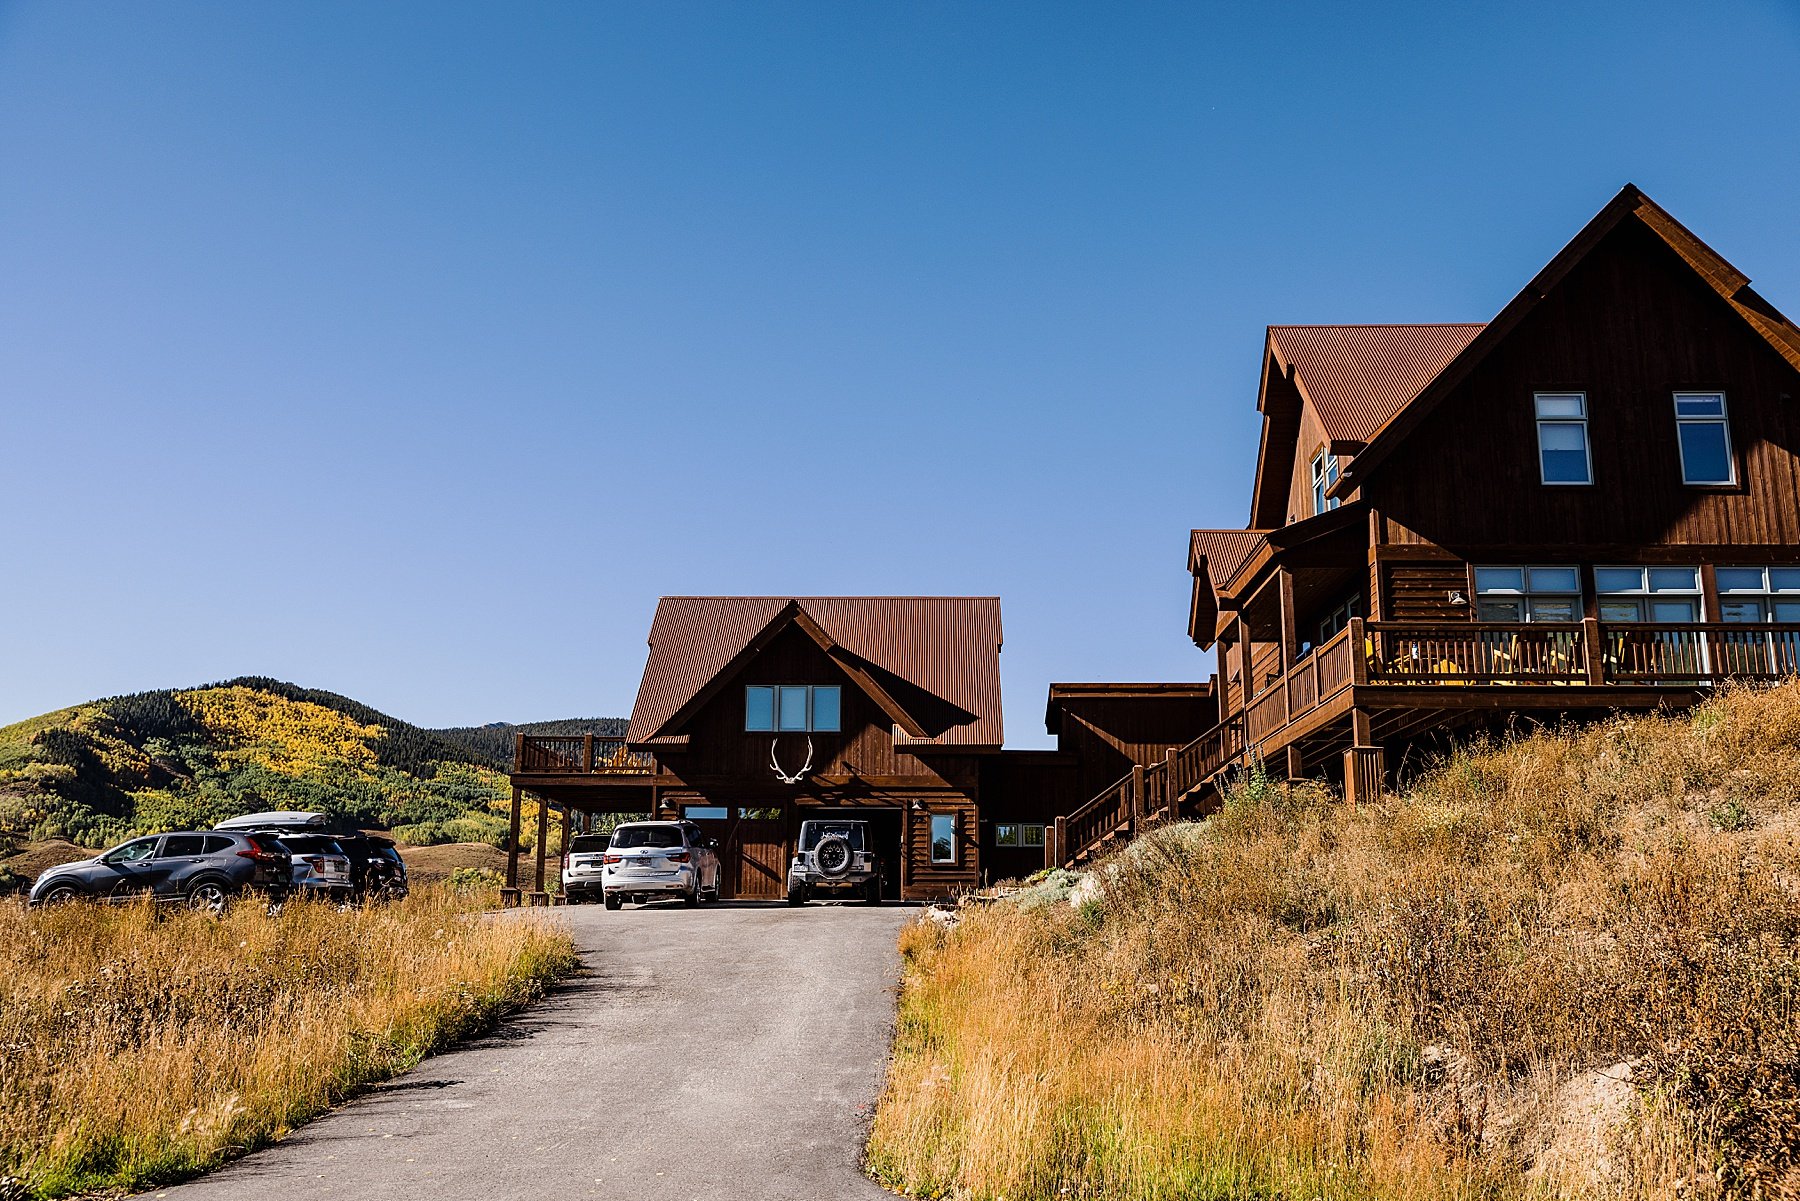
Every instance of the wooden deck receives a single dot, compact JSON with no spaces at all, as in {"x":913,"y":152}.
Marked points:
{"x":1403,"y":678}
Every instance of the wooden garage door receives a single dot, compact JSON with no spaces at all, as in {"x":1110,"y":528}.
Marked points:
{"x":753,"y":859}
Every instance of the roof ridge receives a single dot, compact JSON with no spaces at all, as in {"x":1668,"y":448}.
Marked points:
{"x":1378,"y":325}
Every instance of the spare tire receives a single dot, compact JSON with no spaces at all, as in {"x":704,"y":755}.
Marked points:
{"x":833,"y":857}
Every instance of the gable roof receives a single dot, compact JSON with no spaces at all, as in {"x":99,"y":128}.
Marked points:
{"x":1220,"y":553}
{"x":1731,"y":285}
{"x":945,"y":646}
{"x":1358,"y":376}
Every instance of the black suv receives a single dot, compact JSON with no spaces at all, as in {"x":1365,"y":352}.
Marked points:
{"x":203,"y":870}
{"x":377,"y":873}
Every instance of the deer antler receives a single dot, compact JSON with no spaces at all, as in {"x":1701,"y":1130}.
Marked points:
{"x":776,"y":763}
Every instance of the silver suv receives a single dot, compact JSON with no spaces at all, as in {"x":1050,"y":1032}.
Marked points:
{"x":835,"y":857}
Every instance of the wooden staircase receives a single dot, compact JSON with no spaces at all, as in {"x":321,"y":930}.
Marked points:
{"x":1178,"y":784}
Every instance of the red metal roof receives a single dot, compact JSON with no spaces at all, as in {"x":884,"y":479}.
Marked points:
{"x":947,"y":645}
{"x":1224,"y":551}
{"x":1359,"y":376}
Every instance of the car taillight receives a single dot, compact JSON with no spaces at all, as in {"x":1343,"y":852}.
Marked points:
{"x":679,"y":857}
{"x":612,"y":859}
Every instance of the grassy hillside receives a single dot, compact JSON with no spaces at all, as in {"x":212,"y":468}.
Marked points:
{"x":1563,"y":966}
{"x":98,"y":772}
{"x":495,"y":742}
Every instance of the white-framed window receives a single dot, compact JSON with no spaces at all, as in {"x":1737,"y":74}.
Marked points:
{"x":1339,"y":618}
{"x":1324,"y":475}
{"x":1014,"y":834}
{"x":1759,"y":594}
{"x":783,"y":707}
{"x":1562,"y":431}
{"x":1527,"y":594}
{"x":1704,"y":434}
{"x":943,"y":838}
{"x":1665,"y":594}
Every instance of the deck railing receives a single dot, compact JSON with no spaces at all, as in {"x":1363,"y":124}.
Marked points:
{"x":580,"y":754}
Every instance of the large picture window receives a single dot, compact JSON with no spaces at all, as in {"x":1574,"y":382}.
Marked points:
{"x":1562,"y":431}
{"x":1528,"y":593}
{"x":1705,"y":437}
{"x":770,"y":708}
{"x":1670,"y":594}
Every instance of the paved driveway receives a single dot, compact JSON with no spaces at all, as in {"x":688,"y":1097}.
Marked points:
{"x":724,"y":1052}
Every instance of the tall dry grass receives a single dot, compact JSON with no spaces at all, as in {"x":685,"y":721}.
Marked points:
{"x":140,"y":1046}
{"x":1564,"y":965}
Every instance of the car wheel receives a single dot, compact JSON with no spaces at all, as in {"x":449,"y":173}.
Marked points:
{"x":796,"y":894}
{"x":208,"y":896}
{"x":691,"y":897}
{"x":61,"y":894}
{"x":613,"y":902}
{"x":872,"y":891}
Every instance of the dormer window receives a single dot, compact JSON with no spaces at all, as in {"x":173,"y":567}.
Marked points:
{"x":1324,"y":475}
{"x":779,"y":708}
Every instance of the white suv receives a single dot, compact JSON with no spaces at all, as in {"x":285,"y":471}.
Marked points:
{"x":651,"y":859}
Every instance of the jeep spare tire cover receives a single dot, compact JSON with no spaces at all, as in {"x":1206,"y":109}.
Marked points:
{"x":834,"y":857}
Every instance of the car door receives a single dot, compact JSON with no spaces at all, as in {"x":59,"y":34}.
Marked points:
{"x":706,"y":857}
{"x":175,"y":862}
{"x":125,"y":871}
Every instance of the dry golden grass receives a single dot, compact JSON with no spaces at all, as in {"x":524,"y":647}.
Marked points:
{"x":139,"y":1046}
{"x":1564,"y":966}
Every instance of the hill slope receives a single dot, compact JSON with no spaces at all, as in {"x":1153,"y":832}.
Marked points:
{"x":1567,"y":965}
{"x":98,"y":772}
{"x":495,"y":742}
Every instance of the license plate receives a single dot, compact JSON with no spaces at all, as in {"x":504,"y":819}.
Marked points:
{"x":645,"y":865}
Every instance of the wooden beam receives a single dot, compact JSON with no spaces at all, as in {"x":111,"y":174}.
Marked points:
{"x":1290,"y":634}
{"x":538,"y":896}
{"x":509,"y":896}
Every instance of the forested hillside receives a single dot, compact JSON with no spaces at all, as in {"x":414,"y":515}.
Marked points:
{"x":167,"y":759}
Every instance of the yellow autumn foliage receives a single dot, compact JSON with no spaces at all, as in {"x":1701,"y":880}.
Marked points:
{"x":293,"y":738}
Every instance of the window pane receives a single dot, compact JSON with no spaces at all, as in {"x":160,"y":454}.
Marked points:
{"x":1555,"y":579}
{"x":1553,"y":610}
{"x":705,"y":813}
{"x":1620,"y":611}
{"x":943,"y":838}
{"x":759,"y":708}
{"x":770,"y":813}
{"x":1704,"y":456}
{"x":1561,"y":404}
{"x":1784,"y":579}
{"x":1665,"y":610}
{"x":1741,"y":610}
{"x":1704,"y":404}
{"x":1618,"y":579}
{"x":1740,"y":579}
{"x":1006,"y":836}
{"x":1499,"y":579}
{"x":1500,"y":610}
{"x":826,"y":702}
{"x":179,"y":846}
{"x":793,"y":707}
{"x":1787,"y":610}
{"x":1674,"y":579}
{"x":1034,"y":835}
{"x":1562,"y":446}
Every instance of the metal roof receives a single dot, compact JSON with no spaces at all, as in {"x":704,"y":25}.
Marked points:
{"x":947,"y":645}
{"x":1224,"y":551}
{"x":1359,"y":376}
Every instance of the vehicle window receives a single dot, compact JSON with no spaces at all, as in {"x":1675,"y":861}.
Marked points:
{"x":182,"y":846}
{"x":131,"y":852}
{"x":216,"y":843}
{"x":628,"y":837}
{"x":814,"y":832}
{"x":584,"y":843}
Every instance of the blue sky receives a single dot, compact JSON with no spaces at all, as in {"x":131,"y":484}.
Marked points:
{"x":413,"y":351}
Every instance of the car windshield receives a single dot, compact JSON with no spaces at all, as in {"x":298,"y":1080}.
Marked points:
{"x":812,"y":833}
{"x":627,"y":837}
{"x":582,"y":843}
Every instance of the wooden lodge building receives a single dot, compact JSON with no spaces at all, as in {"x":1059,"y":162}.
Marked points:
{"x":1590,"y":503}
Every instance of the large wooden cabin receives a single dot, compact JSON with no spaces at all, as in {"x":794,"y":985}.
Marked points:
{"x":1589,"y":503}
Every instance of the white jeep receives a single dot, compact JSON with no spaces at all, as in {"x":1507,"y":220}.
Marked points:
{"x":834,"y":857}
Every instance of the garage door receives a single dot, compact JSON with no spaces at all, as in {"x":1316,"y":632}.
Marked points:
{"x":753,"y":850}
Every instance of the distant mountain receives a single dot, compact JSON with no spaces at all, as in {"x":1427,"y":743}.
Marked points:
{"x":187,"y":758}
{"x":495,"y":742}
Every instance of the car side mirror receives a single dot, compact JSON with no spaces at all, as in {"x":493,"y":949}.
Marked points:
{"x":711,"y":844}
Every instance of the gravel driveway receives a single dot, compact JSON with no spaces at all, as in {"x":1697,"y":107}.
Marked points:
{"x":730,"y":1051}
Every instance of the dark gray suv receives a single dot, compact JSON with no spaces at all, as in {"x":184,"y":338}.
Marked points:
{"x":201,"y":870}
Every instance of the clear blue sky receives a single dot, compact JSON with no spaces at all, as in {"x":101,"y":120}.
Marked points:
{"x":412,"y":351}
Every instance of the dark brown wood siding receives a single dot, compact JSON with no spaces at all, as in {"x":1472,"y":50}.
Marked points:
{"x":1629,"y":326}
{"x":1420,"y":591}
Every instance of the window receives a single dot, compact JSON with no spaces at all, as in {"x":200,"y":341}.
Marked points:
{"x":1705,"y":437}
{"x":1528,"y":594}
{"x":1670,"y":594}
{"x":1012,"y":835}
{"x":770,"y":813}
{"x":1563,"y":438}
{"x":131,"y":852}
{"x":183,"y":846}
{"x":783,"y":707}
{"x":1339,"y":618}
{"x":1324,"y":475}
{"x":1759,"y":594}
{"x":943,"y":838}
{"x":705,"y":813}
{"x":217,"y":843}
{"x":628,"y":838}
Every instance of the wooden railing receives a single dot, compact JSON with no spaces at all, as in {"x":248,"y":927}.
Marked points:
{"x":1476,"y":653}
{"x":1108,"y":813}
{"x":1698,"y":652}
{"x":580,"y":754}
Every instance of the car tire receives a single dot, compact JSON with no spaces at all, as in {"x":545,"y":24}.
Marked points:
{"x":827,"y":852}
{"x":61,"y":894}
{"x":613,"y":902}
{"x":872,"y":891}
{"x":208,"y":896}
{"x":796,"y":894}
{"x":691,"y":897}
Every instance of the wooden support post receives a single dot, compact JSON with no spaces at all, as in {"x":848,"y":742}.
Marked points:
{"x":509,"y":896}
{"x":538,"y":895}
{"x":1059,"y":838}
{"x":518,"y":752}
{"x":564,"y":848}
{"x":1593,"y":653}
{"x":1136,"y":811}
{"x":1296,"y":763}
{"x":587,"y":752}
{"x":1359,"y":652}
{"x":1364,"y":762}
{"x":1290,"y":630}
